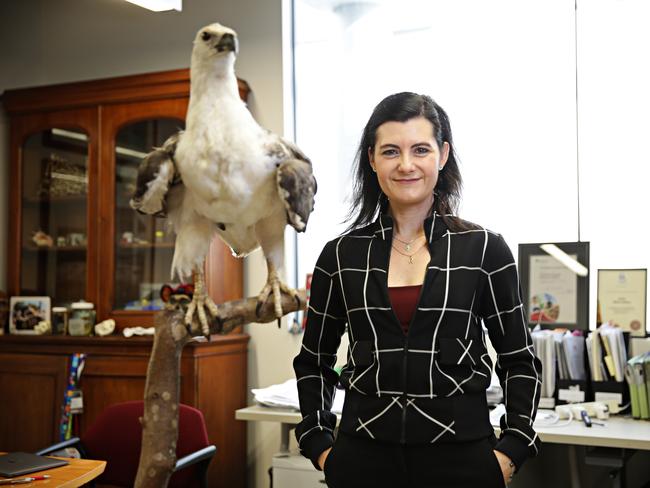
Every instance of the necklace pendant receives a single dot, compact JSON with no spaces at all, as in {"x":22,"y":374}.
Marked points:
{"x":408,"y":247}
{"x":410,"y":259}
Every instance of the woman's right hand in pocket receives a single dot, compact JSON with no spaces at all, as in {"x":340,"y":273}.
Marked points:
{"x":323,"y":457}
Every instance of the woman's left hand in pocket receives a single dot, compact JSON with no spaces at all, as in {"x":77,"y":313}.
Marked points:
{"x":507,"y":466}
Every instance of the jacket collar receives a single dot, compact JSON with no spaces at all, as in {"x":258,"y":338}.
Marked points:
{"x":434,"y":226}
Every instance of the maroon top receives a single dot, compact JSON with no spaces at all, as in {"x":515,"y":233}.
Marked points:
{"x":404,"y":300}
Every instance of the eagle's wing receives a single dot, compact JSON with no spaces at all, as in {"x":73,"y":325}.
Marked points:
{"x":296,"y":186}
{"x":156,"y":175}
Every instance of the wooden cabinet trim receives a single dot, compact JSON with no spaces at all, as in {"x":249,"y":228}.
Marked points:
{"x":158,"y":85}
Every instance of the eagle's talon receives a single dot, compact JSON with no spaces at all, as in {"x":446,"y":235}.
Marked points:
{"x":277,"y":299}
{"x":200,"y":302}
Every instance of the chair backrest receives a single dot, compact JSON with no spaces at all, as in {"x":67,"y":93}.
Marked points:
{"x":116,"y":436}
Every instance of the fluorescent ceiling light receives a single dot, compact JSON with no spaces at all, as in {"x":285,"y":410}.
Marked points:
{"x":159,"y":5}
{"x":565,"y":259}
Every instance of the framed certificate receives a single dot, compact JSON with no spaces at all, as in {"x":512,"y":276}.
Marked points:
{"x":622,"y":298}
{"x":555,"y":284}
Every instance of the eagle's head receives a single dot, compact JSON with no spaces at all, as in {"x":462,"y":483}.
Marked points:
{"x":215,"y":41}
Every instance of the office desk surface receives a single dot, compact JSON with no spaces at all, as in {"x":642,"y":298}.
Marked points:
{"x":618,"y":431}
{"x":77,"y":473}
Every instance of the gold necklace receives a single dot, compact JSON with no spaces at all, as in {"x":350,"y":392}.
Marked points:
{"x":410,"y":256}
{"x":407,"y":245}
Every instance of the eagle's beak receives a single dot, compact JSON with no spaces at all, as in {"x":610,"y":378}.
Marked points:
{"x":227,"y":43}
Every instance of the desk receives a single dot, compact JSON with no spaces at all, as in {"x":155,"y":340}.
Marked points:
{"x":621,"y":432}
{"x":77,"y":473}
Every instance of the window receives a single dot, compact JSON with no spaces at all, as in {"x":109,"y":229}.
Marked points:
{"x":505,"y":72}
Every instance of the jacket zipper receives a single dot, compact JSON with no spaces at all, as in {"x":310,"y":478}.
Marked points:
{"x":406,"y":336}
{"x":406,"y":352}
{"x":404,"y":380}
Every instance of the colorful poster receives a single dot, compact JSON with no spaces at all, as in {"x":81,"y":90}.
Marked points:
{"x":552,"y":291}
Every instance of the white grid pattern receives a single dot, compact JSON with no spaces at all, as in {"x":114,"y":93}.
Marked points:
{"x":471,"y":276}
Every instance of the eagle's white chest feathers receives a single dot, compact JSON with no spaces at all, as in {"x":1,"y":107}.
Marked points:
{"x":224,"y":164}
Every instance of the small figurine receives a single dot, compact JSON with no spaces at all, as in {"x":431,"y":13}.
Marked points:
{"x":41,"y":239}
{"x":139,"y":331}
{"x":177,"y":297}
{"x":105,"y":327}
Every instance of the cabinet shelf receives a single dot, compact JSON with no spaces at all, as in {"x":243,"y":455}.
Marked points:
{"x":55,"y":249}
{"x":157,"y":245}
{"x":40,"y":200}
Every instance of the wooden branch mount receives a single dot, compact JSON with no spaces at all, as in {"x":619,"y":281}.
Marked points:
{"x":162,"y":390}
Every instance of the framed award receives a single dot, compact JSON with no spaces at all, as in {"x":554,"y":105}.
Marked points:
{"x":555,"y":284}
{"x":622,"y":298}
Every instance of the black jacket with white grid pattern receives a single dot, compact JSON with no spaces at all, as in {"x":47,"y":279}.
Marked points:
{"x":427,"y":385}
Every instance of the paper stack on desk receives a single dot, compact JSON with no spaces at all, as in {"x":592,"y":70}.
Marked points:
{"x":494,"y":392}
{"x":285,"y":395}
{"x":637,"y":374}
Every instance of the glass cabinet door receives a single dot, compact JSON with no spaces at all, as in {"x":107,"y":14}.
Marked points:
{"x":144,"y":245}
{"x":54,"y":215}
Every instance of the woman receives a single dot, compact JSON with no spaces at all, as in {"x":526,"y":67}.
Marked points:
{"x":412,"y":288}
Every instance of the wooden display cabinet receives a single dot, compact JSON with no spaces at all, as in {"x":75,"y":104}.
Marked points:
{"x":74,"y":153}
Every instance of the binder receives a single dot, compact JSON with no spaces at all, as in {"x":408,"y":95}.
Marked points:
{"x":636,"y":377}
{"x":646,"y":373}
{"x":611,"y":384}
{"x":634,"y":391}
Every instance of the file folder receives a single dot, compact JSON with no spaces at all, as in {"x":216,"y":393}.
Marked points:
{"x":635,"y":376}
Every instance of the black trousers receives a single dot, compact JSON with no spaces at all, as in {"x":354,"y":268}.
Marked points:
{"x":359,"y":463}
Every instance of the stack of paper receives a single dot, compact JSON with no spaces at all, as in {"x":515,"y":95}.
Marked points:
{"x":573,"y":356}
{"x":494,"y":392}
{"x":637,"y":374}
{"x":607,"y":354}
{"x":285,"y":395}
{"x":562,"y":351}
{"x":544,"y":344}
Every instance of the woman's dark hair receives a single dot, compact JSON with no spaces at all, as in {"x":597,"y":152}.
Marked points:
{"x":367,"y":197}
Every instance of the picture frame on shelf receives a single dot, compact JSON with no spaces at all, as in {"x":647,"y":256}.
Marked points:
{"x":25,"y":312}
{"x":622,"y":299}
{"x":555,"y":284}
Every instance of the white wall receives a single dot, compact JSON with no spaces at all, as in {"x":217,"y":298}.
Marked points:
{"x":44,"y":42}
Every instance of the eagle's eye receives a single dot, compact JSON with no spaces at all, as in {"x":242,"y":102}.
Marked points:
{"x":206,"y":36}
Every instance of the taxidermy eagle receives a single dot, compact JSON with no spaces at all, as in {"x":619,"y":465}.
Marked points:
{"x":225,"y":174}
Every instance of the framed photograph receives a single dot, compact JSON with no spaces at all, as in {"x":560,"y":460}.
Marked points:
{"x":555,"y":284}
{"x":26,"y":312}
{"x":622,"y":298}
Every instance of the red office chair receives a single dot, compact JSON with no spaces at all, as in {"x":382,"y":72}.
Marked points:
{"x":116,"y":437}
